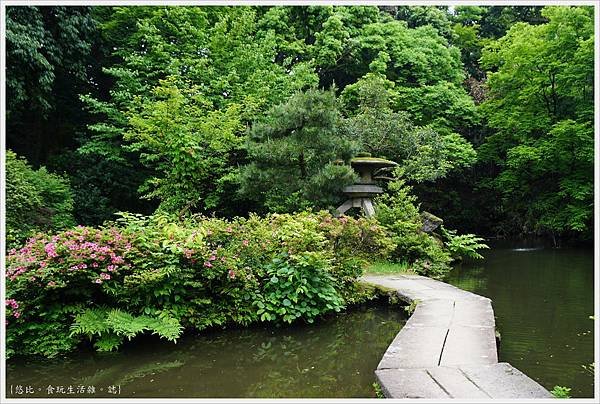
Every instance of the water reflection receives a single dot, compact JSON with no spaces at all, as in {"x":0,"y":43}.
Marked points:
{"x":334,"y":358}
{"x":542,"y":300}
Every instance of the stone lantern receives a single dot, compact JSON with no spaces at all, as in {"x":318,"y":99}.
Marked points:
{"x":360,"y":195}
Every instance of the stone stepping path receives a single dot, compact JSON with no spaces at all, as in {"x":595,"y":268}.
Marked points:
{"x":447,"y":348}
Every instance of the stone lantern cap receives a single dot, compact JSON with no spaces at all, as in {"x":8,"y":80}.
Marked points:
{"x":372,"y":162}
{"x":366,"y":166}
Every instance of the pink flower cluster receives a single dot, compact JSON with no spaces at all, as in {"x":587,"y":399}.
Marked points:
{"x":50,"y":249}
{"x":213,"y":257}
{"x":13,"y":272}
{"x":14,"y":306}
{"x":12,"y":303}
{"x":71,"y":251}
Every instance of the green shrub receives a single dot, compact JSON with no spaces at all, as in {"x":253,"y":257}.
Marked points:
{"x":300,"y":287}
{"x":426,"y":253}
{"x":53,"y":278}
{"x":161,"y":275}
{"x":36,"y":200}
{"x":397,"y":211}
{"x":112,"y":326}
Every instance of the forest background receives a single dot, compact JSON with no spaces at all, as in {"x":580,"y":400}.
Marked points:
{"x":230,"y":110}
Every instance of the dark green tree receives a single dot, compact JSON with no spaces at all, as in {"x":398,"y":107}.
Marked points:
{"x":49,"y":62}
{"x":293,"y":153}
{"x":207,"y":64}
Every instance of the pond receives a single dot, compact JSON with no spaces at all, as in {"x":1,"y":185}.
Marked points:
{"x":335,"y":357}
{"x":542,"y":299}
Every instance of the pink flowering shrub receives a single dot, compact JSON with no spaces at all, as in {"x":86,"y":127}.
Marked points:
{"x":161,"y":275}
{"x":52,"y":277}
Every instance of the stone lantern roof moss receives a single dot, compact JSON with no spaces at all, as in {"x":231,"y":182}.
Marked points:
{"x":375,"y":162}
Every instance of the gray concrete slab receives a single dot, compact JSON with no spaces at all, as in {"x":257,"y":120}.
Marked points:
{"x":449,"y":294}
{"x":409,"y":383}
{"x":455,"y":383}
{"x":502,"y":380}
{"x":474,"y":313}
{"x":433,"y":313}
{"x":414,"y":347}
{"x":469,"y":346}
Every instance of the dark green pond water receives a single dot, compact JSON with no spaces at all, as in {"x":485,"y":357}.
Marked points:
{"x":542,"y":300}
{"x":333,"y":358}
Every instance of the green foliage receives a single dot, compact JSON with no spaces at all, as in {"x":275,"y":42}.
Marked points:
{"x":540,"y":106}
{"x":186,"y":82}
{"x":187,"y":143}
{"x":38,"y":200}
{"x":410,"y":309}
{"x":424,"y":153}
{"x":397,"y":211}
{"x":41,"y":42}
{"x":561,"y":392}
{"x":292,"y":152}
{"x":166,"y":103}
{"x":388,"y":268}
{"x":463,"y":245}
{"x":417,"y":16}
{"x":378,"y":391}
{"x":49,"y":60}
{"x":298,"y":288}
{"x":160,"y":274}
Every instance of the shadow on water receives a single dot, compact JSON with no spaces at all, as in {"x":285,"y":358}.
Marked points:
{"x":542,"y":299}
{"x":334,"y":358}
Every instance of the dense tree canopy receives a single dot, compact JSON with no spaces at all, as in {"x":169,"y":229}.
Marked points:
{"x":48,"y":65}
{"x":540,"y":107}
{"x":228,"y":110}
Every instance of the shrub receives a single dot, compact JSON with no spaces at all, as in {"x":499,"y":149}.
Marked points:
{"x":398,"y":213}
{"x":53,"y":278}
{"x":300,"y":287}
{"x":162,"y":275}
{"x":37,"y":200}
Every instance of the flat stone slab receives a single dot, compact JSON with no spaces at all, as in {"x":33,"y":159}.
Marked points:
{"x":414,"y":347}
{"x":447,"y":349}
{"x":474,"y":313}
{"x":502,"y":380}
{"x":409,"y":383}
{"x":455,"y":383}
{"x":469,"y":346}
{"x":497,"y":381}
{"x":432,"y":313}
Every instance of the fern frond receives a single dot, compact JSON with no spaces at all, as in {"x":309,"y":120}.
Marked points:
{"x":125,"y":324}
{"x":108,"y":342}
{"x":166,"y":327}
{"x":90,"y":322}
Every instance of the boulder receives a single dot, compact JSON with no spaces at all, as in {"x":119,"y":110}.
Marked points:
{"x":430,"y":222}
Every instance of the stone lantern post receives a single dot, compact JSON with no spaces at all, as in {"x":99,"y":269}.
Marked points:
{"x":360,"y":195}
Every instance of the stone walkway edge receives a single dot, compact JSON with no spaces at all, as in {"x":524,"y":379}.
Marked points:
{"x":447,"y":348}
